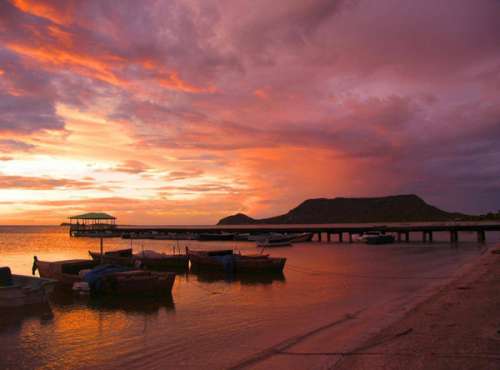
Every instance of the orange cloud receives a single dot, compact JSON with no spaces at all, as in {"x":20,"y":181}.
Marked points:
{"x":172,"y":81}
{"x":57,"y":57}
{"x":41,"y":183}
{"x":56,"y":14}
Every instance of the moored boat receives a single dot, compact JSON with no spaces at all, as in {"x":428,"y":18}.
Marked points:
{"x":228,"y":261}
{"x":116,"y":280}
{"x":216,"y":236}
{"x":301,"y":237}
{"x":376,"y":237}
{"x":380,"y":239}
{"x":64,"y":272}
{"x":21,"y":290}
{"x":274,"y":243}
{"x":122,"y":257}
{"x":265,"y":263}
{"x":147,"y":259}
{"x":152,"y":260}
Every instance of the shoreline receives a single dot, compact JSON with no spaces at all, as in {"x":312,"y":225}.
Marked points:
{"x":457,"y":327}
{"x":359,"y":340}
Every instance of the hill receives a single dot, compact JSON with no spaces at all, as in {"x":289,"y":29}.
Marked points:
{"x":397,"y":208}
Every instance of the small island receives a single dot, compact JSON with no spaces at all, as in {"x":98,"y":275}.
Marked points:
{"x":397,"y":208}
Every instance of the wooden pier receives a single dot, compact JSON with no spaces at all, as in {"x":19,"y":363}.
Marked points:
{"x":338,"y":233}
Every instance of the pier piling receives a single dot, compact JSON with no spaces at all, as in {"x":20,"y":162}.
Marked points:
{"x":481,"y":236}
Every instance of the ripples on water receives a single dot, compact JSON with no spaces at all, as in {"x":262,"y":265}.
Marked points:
{"x":211,"y":321}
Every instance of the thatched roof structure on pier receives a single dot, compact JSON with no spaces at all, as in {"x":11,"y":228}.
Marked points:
{"x":93,"y":216}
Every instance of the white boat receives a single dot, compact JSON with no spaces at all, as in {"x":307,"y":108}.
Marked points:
{"x":375,"y":237}
{"x":21,"y":290}
{"x":265,"y":236}
{"x":270,"y":243}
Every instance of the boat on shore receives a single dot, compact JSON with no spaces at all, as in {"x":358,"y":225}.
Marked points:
{"x":21,"y":290}
{"x":147,"y":259}
{"x":228,"y":261}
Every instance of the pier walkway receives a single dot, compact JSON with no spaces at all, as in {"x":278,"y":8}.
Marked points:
{"x":339,"y":233}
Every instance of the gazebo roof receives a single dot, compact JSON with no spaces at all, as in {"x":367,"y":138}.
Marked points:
{"x":93,"y":216}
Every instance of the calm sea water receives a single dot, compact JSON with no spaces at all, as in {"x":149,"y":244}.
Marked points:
{"x":211,"y":322}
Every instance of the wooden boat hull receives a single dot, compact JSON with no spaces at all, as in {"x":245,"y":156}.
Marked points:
{"x":112,"y":259}
{"x":180,"y":262}
{"x":177,"y":261}
{"x":25,"y":291}
{"x":229,"y":262}
{"x":270,"y":264}
{"x":64,"y":272}
{"x":204,"y":262}
{"x":380,"y":239}
{"x":274,"y":244}
{"x":137,"y":283}
{"x":304,"y":237}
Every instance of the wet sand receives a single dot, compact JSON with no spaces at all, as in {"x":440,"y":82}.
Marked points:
{"x":458,"y":328}
{"x":455,"y":325}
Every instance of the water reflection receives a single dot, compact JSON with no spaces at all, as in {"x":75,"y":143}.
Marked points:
{"x":13,"y":318}
{"x":148,"y":305}
{"x":243,"y":279}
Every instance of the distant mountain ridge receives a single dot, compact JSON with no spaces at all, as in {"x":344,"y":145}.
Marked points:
{"x":397,"y":208}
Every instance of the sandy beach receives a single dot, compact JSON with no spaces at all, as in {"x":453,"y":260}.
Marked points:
{"x":457,"y":328}
{"x":455,"y":325}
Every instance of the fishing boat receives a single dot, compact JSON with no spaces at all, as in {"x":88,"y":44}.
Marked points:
{"x":116,"y":280}
{"x":265,"y":236}
{"x":21,"y":290}
{"x":152,"y":260}
{"x":216,"y":236}
{"x":376,"y":237}
{"x":380,"y":239}
{"x":278,"y":240}
{"x":241,"y":236}
{"x":65,"y":272}
{"x":147,"y":259}
{"x":122,"y":257}
{"x":301,"y":237}
{"x":270,"y":243}
{"x":226,"y":260}
{"x":262,"y":263}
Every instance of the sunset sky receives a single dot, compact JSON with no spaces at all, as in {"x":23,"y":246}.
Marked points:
{"x":183,"y":112}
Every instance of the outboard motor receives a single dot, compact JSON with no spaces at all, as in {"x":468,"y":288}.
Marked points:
{"x":35,"y":265}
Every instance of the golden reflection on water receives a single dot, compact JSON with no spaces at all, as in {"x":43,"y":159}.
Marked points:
{"x":219,"y":318}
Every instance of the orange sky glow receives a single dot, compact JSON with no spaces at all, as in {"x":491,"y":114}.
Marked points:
{"x":184,"y":112}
